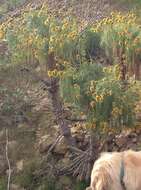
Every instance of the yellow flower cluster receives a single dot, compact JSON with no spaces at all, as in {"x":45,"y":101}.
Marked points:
{"x":76,"y":86}
{"x":1,"y":34}
{"x":65,"y":25}
{"x":55,"y":73}
{"x":99,"y":98}
{"x":72,"y":35}
{"x":30,"y":40}
{"x":113,"y":19}
{"x":116,"y":111}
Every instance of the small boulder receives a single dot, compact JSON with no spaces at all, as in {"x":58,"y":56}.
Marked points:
{"x":20,"y":165}
{"x":45,"y":142}
{"x":16,"y":187}
{"x":61,"y":147}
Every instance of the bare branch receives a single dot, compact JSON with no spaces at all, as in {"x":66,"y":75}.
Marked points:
{"x":8,"y":161}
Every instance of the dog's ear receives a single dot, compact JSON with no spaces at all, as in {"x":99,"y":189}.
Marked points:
{"x":88,"y":188}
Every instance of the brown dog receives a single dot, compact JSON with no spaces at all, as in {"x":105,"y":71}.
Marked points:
{"x":117,"y":171}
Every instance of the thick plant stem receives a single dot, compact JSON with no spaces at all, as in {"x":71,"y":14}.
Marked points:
{"x":57,"y":103}
{"x":123,"y":69}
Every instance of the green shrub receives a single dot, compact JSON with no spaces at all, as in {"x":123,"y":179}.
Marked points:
{"x":113,"y":103}
{"x":101,"y":95}
{"x":91,"y":44}
{"x":74,"y":84}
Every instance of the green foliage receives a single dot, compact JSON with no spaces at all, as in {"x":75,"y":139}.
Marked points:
{"x":100,"y":95}
{"x":74,"y":84}
{"x":26,"y":178}
{"x":2,"y":183}
{"x":37,"y":34}
{"x":80,"y":185}
{"x":112,"y":102}
{"x":91,"y":44}
{"x":120,"y":34}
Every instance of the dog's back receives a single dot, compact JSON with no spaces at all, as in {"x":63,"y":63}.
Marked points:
{"x":132,"y":165}
{"x":107,"y":170}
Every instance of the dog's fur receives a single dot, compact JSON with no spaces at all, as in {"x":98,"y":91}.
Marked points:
{"x":106,"y":171}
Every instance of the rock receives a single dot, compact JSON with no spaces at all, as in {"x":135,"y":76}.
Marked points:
{"x":20,"y":165}
{"x":61,"y":147}
{"x":55,"y":129}
{"x":74,"y":130}
{"x":45,"y":142}
{"x":16,"y":187}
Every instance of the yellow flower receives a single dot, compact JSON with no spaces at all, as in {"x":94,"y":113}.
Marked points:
{"x":92,"y":89}
{"x":46,"y":22}
{"x":110,"y":92}
{"x":64,"y":25}
{"x":49,"y":73}
{"x":65,"y":62}
{"x":51,"y":39}
{"x":75,"y":86}
{"x":30,"y":41}
{"x":99,"y":98}
{"x":1,"y":34}
{"x":60,"y":73}
{"x":104,"y":69}
{"x":72,"y":35}
{"x":50,"y":50}
{"x":54,"y":72}
{"x":94,"y":30}
{"x":129,"y":22}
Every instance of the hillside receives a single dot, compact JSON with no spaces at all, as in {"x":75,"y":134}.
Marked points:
{"x":70,"y":89}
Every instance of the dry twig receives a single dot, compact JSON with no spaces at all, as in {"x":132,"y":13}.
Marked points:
{"x":8,"y":161}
